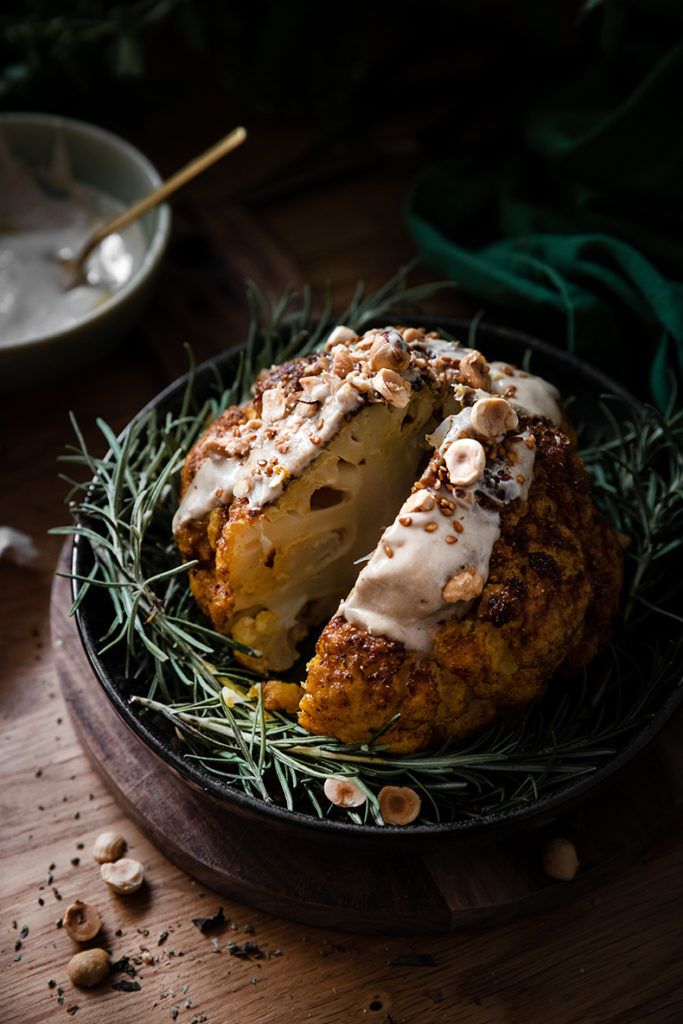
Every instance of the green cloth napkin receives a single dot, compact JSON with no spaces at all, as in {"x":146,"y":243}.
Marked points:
{"x":582,"y":216}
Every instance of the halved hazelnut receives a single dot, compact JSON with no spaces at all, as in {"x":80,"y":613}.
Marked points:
{"x":475,"y":370}
{"x":492,"y":417}
{"x":389,"y":351}
{"x":464,"y":586}
{"x":81,"y":921}
{"x":392,"y":387}
{"x":123,"y":876}
{"x":465,"y":461}
{"x":88,"y":968}
{"x":398,"y":805}
{"x":344,"y":792}
{"x":108,"y":846}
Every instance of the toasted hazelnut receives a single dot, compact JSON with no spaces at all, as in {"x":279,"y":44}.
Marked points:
{"x":413,"y":334}
{"x":389,"y":351}
{"x":233,"y":447}
{"x":108,"y":846}
{"x":273,"y":404}
{"x":306,"y":410}
{"x":88,"y":968}
{"x":342,"y":361}
{"x":393,"y":387}
{"x":398,"y":805}
{"x":314,"y":388}
{"x":81,"y":921}
{"x":475,"y":370}
{"x":421,"y":500}
{"x":492,"y":417}
{"x":559,"y":859}
{"x":123,"y":876}
{"x":465,"y":461}
{"x":464,"y":586}
{"x":344,"y":792}
{"x":242,"y":487}
{"x":340,"y":334}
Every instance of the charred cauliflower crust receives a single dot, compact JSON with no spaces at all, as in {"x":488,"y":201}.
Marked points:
{"x":548,"y":603}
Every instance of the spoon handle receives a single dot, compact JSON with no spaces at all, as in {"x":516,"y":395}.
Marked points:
{"x":231,"y":141}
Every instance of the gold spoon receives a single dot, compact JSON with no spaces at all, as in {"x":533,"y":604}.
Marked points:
{"x":73,"y":265}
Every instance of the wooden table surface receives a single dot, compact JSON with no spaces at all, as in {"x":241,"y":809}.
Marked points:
{"x":612,"y":956}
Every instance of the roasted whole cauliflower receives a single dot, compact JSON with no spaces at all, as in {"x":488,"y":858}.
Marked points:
{"x":457,"y":486}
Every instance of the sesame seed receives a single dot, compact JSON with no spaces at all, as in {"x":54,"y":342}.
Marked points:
{"x":450,"y":539}
{"x":406,"y":520}
{"x":457,"y":526}
{"x":388,"y":550}
{"x":430,"y":527}
{"x":520,"y":478}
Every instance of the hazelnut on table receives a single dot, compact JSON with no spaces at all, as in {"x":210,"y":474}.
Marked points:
{"x":82,"y":921}
{"x":124,"y":875}
{"x":88,"y":968}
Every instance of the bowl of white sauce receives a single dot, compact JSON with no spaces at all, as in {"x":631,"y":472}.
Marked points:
{"x":59,"y":179}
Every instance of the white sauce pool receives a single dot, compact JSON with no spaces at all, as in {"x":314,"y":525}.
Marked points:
{"x":42,"y":213}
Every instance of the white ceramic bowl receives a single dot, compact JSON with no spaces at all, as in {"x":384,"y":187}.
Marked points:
{"x":106,"y":162}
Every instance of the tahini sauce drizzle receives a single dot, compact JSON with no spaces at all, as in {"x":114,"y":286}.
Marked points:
{"x":281,"y":445}
{"x":398,"y":594}
{"x":277,"y":452}
{"x":41,"y":214}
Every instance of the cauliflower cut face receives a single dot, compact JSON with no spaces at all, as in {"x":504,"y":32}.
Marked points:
{"x":267,"y":576}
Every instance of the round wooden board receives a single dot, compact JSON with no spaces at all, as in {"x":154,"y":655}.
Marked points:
{"x":456,"y":886}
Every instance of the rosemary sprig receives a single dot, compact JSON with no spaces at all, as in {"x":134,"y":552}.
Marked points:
{"x":176,"y":670}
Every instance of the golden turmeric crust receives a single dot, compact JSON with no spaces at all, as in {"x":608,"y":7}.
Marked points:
{"x":549,"y":602}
